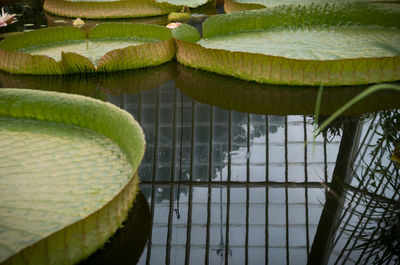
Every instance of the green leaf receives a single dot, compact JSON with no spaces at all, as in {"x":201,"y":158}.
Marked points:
{"x":178,"y":16}
{"x":186,"y":32}
{"x":304,"y":45}
{"x":67,"y":176}
{"x":359,"y":97}
{"x":118,"y":9}
{"x":102,"y":10}
{"x":75,"y":63}
{"x":240,"y":5}
{"x":42,"y":36}
{"x":66,"y":50}
{"x":318,"y":16}
{"x":119,"y":30}
{"x":134,"y":57}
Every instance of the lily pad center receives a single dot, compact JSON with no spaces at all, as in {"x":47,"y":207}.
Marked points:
{"x":92,"y":49}
{"x":311,"y":44}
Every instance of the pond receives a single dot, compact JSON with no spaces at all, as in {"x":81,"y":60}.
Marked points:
{"x":232,"y":173}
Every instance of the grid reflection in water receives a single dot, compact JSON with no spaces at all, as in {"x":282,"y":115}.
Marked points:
{"x":223,"y":185}
{"x":233,"y":188}
{"x":254,"y":228}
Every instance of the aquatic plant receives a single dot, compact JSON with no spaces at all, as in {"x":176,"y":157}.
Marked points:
{"x":107,"y":48}
{"x":377,"y":234}
{"x":370,"y":90}
{"x":178,"y":16}
{"x":317,"y":44}
{"x":97,"y":9}
{"x":173,"y":25}
{"x":6,"y":19}
{"x":127,"y":244}
{"x":231,"y":6}
{"x":68,"y":174}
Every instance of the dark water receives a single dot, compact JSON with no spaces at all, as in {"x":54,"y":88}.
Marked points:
{"x":232,"y":174}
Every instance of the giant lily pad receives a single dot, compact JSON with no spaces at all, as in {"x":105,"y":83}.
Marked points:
{"x":98,"y":9}
{"x":65,"y":50}
{"x":231,"y":6}
{"x":67,"y":175}
{"x":332,"y":45}
{"x":251,"y":97}
{"x":57,"y":21}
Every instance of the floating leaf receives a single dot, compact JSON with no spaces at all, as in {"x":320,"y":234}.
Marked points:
{"x":304,"y":45}
{"x":117,"y":9}
{"x":76,"y":63}
{"x":231,"y":6}
{"x":187,"y":33}
{"x":66,"y":50}
{"x":67,"y":175}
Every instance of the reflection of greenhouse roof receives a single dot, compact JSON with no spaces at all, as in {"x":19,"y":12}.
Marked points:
{"x":203,"y":126}
{"x":277,"y":182}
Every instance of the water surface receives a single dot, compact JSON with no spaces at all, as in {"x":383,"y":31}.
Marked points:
{"x":229,"y":184}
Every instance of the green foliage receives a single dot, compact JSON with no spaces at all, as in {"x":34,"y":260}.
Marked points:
{"x":295,"y":17}
{"x":377,"y":232}
{"x":115,"y":30}
{"x":133,"y":57}
{"x":158,"y":49}
{"x":75,"y":63}
{"x":42,"y":36}
{"x":89,"y":213}
{"x":240,"y":5}
{"x":114,"y":9}
{"x":118,"y":9}
{"x":256,"y":64}
{"x":103,"y":118}
{"x":186,"y":32}
{"x":362,"y":95}
{"x":178,"y":16}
